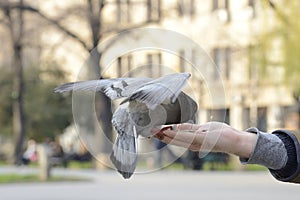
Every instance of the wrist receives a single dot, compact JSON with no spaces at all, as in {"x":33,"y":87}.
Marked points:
{"x":244,"y":143}
{"x":239,"y":143}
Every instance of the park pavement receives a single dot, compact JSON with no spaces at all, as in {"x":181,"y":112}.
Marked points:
{"x":183,"y":185}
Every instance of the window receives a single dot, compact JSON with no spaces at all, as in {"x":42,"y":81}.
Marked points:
{"x":221,"y":115}
{"x":222,"y":9}
{"x":123,"y":11}
{"x":182,"y":61}
{"x":251,"y":5}
{"x":154,"y":61}
{"x":221,"y":58}
{"x":253,"y":63}
{"x":262,"y":118}
{"x":124,"y":66}
{"x":220,"y":4}
{"x":153,"y":10}
{"x":186,"y":7}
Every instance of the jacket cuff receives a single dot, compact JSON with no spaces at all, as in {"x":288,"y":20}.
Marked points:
{"x":269,"y":151}
{"x":292,"y":168}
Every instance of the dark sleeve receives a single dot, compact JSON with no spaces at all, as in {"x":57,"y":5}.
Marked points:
{"x":291,"y":171}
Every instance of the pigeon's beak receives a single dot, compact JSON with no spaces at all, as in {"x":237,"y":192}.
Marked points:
{"x":188,"y":75}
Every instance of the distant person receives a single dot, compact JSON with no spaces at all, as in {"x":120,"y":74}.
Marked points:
{"x":56,"y":149}
{"x":57,"y":154}
{"x":279,"y":151}
{"x":30,"y":154}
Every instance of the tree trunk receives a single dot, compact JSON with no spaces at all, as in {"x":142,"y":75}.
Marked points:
{"x":102,"y":106}
{"x":18,"y":111}
{"x":102,"y":102}
{"x":16,"y":29}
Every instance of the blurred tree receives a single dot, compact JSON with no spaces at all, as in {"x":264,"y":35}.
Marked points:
{"x":286,"y":30}
{"x":91,"y":12}
{"x":47,"y":114}
{"x":5,"y":102}
{"x":14,"y":20}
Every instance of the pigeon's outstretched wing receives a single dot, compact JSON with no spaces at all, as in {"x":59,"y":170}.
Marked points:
{"x":166,"y":88}
{"x":124,"y":152}
{"x":113,"y":88}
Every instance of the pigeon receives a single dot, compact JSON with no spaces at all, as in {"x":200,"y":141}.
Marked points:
{"x":148,"y":103}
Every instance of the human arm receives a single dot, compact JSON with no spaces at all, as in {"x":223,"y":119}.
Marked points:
{"x":212,"y":136}
{"x":278,"y":151}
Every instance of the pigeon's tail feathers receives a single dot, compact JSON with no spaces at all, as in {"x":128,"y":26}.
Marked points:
{"x":124,"y":154}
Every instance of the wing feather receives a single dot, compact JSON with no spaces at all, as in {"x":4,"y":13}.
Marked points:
{"x":113,"y":88}
{"x":160,"y":90}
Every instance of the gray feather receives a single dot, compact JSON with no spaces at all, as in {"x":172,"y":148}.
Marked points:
{"x":188,"y":108}
{"x":124,"y":152}
{"x":113,"y":88}
{"x":124,"y":155}
{"x":166,"y":88}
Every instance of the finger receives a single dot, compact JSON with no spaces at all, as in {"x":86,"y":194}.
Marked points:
{"x":184,"y":136}
{"x":170,"y":133}
{"x":176,"y":142}
{"x":188,"y":127}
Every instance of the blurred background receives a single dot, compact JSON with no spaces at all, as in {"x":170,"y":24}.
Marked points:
{"x":255,"y":45}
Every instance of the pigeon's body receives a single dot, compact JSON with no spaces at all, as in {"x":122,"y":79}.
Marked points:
{"x":149,"y":103}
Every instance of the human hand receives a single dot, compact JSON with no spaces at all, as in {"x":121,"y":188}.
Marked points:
{"x":211,"y":136}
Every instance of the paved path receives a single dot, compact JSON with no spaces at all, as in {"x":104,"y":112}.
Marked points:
{"x":183,"y":185}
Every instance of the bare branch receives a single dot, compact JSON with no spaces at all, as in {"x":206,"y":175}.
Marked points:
{"x":278,"y":12}
{"x":20,"y":24}
{"x":29,"y":8}
{"x":120,"y":28}
{"x":73,"y":10}
{"x":94,"y":21}
{"x":7,"y":13}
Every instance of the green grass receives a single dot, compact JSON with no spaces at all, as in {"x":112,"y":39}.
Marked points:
{"x":80,"y":165}
{"x":71,"y":165}
{"x":254,"y":167}
{"x":28,"y":178}
{"x":209,"y":166}
{"x":3,"y":163}
{"x":12,"y":178}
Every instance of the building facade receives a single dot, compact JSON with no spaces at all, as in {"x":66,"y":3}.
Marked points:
{"x":225,"y":82}
{"x":228,"y":32}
